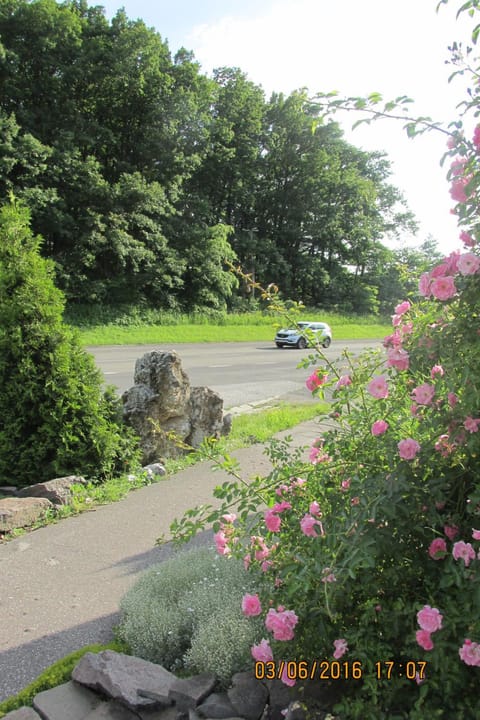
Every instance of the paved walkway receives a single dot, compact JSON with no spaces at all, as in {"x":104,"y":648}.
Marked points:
{"x":60,"y":586}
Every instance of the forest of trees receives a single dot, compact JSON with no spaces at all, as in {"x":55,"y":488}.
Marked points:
{"x":144,"y":176}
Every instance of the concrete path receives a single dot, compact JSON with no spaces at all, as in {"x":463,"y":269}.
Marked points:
{"x":60,"y":586}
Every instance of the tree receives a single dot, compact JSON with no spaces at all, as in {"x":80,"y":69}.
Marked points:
{"x":55,"y":418}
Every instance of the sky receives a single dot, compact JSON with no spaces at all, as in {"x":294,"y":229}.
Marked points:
{"x":354,"y":47}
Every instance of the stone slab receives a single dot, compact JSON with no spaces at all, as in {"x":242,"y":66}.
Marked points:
{"x":23,"y":713}
{"x":129,"y":679}
{"x":66,"y":702}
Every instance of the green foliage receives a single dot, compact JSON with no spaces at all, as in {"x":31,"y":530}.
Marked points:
{"x":56,"y":420}
{"x":374,"y":544}
{"x":185,"y":615}
{"x":57,"y":674}
{"x":133,"y":165}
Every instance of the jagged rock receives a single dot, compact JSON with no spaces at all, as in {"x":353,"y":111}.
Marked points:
{"x":248,"y":696}
{"x":162,"y":372}
{"x":23,"y":713}
{"x":66,"y":702}
{"x":162,"y":402}
{"x":125,"y":678}
{"x":217,"y":706}
{"x":189,"y":692}
{"x":206,"y":415}
{"x":21,"y":512}
{"x":58,"y":490}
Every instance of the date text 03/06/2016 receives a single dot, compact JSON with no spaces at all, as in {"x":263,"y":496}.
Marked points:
{"x":336,"y":670}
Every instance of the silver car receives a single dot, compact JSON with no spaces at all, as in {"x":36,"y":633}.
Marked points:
{"x":294,"y":337}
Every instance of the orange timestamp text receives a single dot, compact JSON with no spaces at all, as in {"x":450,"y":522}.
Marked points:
{"x":338,"y":670}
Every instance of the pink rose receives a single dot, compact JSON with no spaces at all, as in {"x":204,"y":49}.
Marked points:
{"x":314,"y":509}
{"x":221,"y":543}
{"x":285,"y":679}
{"x":457,"y":190}
{"x":443,"y":288}
{"x":451,"y":262}
{"x":476,"y":137}
{"x":402,"y":308}
{"x":424,"y":284}
{"x":424,"y":640}
{"x":317,"y":455}
{"x":272,"y":521}
{"x":452,"y":399}
{"x":307,"y":526}
{"x":429,"y":619}
{"x":379,"y":427}
{"x":341,"y":648}
{"x":343,"y":381}
{"x":437,"y":370}
{"x":398,"y":358}
{"x":457,"y":166}
{"x":475,"y":534}
{"x":251,"y":605}
{"x":439,"y":270}
{"x":468,"y":264}
{"x":229,"y":517}
{"x":281,"y":623}
{"x":315,"y":380}
{"x":471,"y":424}
{"x":281,"y":506}
{"x":378,"y":387}
{"x":262,"y":652}
{"x":261,"y":549}
{"x":467,"y":239}
{"x":464,"y":551}
{"x":450,"y":531}
{"x":437,"y":549}
{"x":408,"y":448}
{"x":470,"y":653}
{"x":423,"y":394}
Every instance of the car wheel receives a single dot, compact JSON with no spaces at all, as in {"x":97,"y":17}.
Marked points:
{"x":279,"y":345}
{"x":302,"y":343}
{"x":326,"y":342}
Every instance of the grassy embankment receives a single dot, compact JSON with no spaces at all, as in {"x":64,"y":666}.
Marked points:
{"x":138,"y":326}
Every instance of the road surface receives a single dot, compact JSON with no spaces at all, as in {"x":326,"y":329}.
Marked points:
{"x":241,"y":373}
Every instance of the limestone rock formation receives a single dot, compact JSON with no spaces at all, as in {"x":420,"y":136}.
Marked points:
{"x":162,"y":403}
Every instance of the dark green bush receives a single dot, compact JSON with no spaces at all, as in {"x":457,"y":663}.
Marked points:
{"x":55,"y":417}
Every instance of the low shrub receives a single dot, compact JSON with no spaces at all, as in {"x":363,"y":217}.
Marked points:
{"x":185,"y":614}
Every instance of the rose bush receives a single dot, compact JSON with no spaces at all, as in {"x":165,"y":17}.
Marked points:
{"x":370,"y":551}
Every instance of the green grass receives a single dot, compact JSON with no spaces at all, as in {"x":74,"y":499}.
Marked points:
{"x":148,"y":327}
{"x":57,"y":674}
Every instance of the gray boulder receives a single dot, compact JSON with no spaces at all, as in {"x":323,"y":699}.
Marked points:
{"x":58,"y":490}
{"x":21,"y":512}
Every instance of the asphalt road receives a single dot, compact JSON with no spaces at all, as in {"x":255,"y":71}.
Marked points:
{"x":241,"y":373}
